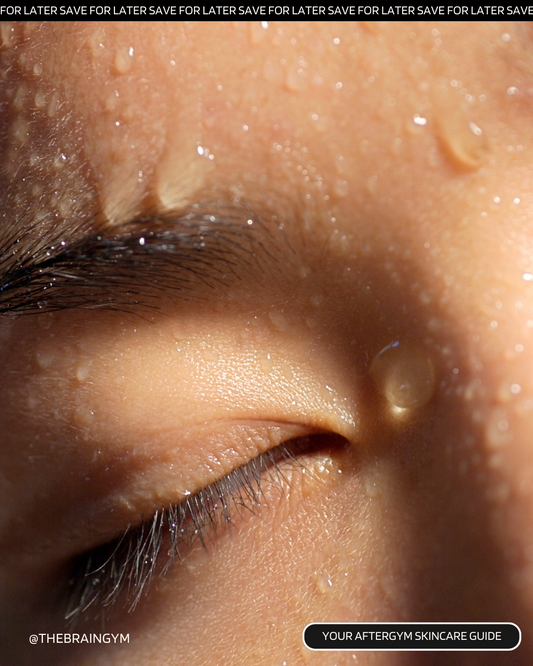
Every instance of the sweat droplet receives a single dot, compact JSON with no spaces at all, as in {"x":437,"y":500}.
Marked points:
{"x":463,"y":143}
{"x":404,"y":374}
{"x":123,"y":60}
{"x":340,"y":187}
{"x":7,"y":33}
{"x":83,"y":370}
{"x":295,"y":78}
{"x":44,"y":359}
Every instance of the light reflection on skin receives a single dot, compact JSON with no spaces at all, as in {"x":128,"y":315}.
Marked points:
{"x":397,"y":158}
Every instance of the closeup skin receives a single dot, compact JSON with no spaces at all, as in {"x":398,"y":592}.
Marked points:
{"x":386,"y":170}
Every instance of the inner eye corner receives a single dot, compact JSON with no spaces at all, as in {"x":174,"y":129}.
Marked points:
{"x":322,"y":440}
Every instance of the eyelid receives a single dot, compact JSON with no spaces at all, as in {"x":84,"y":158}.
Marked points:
{"x":121,"y":486}
{"x":147,"y":446}
{"x":128,"y":564}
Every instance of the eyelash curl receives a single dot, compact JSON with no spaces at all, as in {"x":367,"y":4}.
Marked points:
{"x":126,"y":566}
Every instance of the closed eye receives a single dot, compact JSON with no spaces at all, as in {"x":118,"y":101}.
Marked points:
{"x":121,"y":570}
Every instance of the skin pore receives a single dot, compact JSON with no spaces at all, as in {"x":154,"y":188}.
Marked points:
{"x":354,"y":186}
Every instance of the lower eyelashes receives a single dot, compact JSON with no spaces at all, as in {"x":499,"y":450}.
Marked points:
{"x":124,"y":568}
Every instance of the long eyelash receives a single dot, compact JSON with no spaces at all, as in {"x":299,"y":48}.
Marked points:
{"x":129,"y":564}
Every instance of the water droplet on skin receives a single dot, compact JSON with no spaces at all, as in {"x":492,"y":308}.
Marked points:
{"x":83,"y":370}
{"x":322,"y":581}
{"x":404,"y":375}
{"x":95,"y":43}
{"x":33,"y":402}
{"x":320,"y":123}
{"x":279,"y":320}
{"x":340,"y":165}
{"x":44,"y":359}
{"x":340,"y":242}
{"x":30,"y":27}
{"x":462,"y":142}
{"x":317,"y":300}
{"x":266,"y":364}
{"x":123,"y":60}
{"x":287,"y":373}
{"x":7,"y":34}
{"x":129,"y":113}
{"x":371,"y":185}
{"x":20,"y":97}
{"x":111,"y":101}
{"x":371,"y":486}
{"x":181,"y":171}
{"x":65,"y":207}
{"x":257,"y":31}
{"x":340,"y":188}
{"x":20,"y":130}
{"x":295,"y":78}
{"x":179,"y":334}
{"x":244,"y":335}
{"x":83,"y":417}
{"x":23,"y":60}
{"x":45,"y":320}
{"x":396,"y":146}
{"x":53,"y":105}
{"x":496,"y":461}
{"x":210,"y":355}
{"x":497,"y":430}
{"x":269,"y":70}
{"x":40,"y":100}
{"x":389,"y":586}
{"x":59,"y":161}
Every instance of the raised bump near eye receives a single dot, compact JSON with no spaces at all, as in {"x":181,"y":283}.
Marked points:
{"x":404,"y":375}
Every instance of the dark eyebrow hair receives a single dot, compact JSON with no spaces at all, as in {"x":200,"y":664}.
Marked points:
{"x":130,"y":266}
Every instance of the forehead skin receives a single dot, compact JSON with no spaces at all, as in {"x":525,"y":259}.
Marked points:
{"x":405,"y":152}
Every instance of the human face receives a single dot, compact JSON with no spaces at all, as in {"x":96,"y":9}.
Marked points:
{"x":221,"y":227}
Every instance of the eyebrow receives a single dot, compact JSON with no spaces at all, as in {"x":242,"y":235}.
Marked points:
{"x":130,"y":266}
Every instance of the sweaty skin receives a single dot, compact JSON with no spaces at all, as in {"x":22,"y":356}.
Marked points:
{"x":389,"y":168}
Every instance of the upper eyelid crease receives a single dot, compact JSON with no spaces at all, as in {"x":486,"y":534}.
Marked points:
{"x":125,"y":267}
